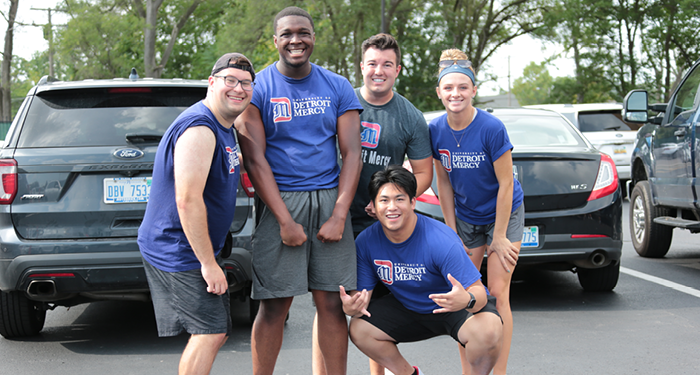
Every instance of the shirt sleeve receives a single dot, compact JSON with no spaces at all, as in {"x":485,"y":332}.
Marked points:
{"x":366,"y":277}
{"x":419,"y":143}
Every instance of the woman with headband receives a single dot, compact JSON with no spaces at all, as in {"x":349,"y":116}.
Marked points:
{"x":479,"y":197}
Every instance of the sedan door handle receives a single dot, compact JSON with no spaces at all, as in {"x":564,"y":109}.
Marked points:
{"x":680,"y":132}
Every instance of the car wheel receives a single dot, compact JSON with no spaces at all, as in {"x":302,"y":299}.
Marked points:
{"x":650,"y":240}
{"x":599,"y":279}
{"x":20,"y":316}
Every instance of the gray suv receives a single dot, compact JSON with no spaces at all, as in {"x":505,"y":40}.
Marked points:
{"x":76,"y":171}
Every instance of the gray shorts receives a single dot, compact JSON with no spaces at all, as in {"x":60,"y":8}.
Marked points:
{"x":281,"y":271}
{"x":182,"y":303}
{"x":474,"y":236}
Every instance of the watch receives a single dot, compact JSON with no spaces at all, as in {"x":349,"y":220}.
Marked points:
{"x":472,"y":301}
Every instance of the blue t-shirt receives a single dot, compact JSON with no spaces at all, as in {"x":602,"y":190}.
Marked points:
{"x":470,"y":166}
{"x":417,"y":267}
{"x":162,"y":241}
{"x":300,"y":118}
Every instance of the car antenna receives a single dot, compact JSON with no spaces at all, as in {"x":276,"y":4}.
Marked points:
{"x":133,"y":76}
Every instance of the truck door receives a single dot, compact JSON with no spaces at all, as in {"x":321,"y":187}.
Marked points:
{"x":675,"y":148}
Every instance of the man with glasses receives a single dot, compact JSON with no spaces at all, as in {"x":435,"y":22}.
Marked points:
{"x":304,"y":240}
{"x":190,"y":209}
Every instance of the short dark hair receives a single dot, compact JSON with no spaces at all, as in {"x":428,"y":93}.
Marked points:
{"x":292,"y":11}
{"x":382,"y":42}
{"x":393,"y":174}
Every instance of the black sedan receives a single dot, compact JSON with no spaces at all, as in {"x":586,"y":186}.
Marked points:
{"x":573,"y":201}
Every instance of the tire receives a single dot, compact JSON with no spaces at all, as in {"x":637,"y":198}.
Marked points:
{"x":19,"y":316}
{"x":650,"y":240}
{"x":599,"y":279}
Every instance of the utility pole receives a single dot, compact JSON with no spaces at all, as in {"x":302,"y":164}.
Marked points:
{"x":383,"y":30}
{"x":48,"y":35}
{"x":509,"y":104}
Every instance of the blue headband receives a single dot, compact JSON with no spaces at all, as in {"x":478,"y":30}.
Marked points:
{"x":457,"y":69}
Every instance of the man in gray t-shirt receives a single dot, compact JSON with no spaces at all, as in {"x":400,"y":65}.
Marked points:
{"x":392,"y":128}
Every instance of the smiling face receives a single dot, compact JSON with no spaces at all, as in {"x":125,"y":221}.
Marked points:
{"x":395,"y":212}
{"x":294,"y":39}
{"x":225,"y":102}
{"x":456,"y":91}
{"x":379,"y":72}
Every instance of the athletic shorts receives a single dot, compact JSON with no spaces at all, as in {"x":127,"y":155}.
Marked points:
{"x":404,"y":325}
{"x":281,"y":271}
{"x":474,"y":236}
{"x":182,"y":303}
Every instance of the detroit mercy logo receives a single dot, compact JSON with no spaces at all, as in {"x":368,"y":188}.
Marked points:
{"x":282,"y":109}
{"x":370,"y":134}
{"x":232,"y":159}
{"x":385,"y":271}
{"x":445,"y":159}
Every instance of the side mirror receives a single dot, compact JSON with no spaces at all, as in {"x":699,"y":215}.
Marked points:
{"x":635,"y":106}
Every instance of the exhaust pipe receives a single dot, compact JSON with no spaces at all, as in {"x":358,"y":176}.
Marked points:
{"x":42,"y":289}
{"x":598,"y":259}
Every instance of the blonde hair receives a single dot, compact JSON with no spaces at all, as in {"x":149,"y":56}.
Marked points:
{"x":454,"y":54}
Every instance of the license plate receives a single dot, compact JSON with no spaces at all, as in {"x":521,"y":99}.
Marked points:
{"x":620,"y":150}
{"x":531,"y":237}
{"x":127,"y":189}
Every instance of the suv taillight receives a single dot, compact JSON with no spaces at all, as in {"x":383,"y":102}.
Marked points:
{"x":8,"y":171}
{"x":247,"y":185}
{"x":606,"y":182}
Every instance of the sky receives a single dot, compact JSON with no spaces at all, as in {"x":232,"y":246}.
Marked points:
{"x":522,"y":50}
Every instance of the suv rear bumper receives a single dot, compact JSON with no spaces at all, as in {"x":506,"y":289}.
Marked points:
{"x":72,"y":278}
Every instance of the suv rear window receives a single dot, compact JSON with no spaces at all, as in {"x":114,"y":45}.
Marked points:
{"x":103,"y":117}
{"x":601,"y":121}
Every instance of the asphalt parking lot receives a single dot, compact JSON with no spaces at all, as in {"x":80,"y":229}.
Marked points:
{"x":647,"y":325}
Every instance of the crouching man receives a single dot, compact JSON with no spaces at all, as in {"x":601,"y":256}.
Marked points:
{"x":435,"y":288}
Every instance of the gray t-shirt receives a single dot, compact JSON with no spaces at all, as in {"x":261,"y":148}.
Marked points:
{"x":389,"y":132}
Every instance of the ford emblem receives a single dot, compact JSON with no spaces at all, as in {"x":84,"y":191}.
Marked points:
{"x":128,"y":153}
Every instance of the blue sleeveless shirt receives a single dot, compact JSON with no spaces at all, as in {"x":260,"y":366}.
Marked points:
{"x":162,"y":241}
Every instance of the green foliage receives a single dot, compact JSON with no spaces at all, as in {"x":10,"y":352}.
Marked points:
{"x":616,"y":45}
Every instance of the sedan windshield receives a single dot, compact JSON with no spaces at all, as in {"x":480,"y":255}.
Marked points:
{"x":541,"y":131}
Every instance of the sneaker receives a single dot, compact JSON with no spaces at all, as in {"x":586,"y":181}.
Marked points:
{"x":418,"y":371}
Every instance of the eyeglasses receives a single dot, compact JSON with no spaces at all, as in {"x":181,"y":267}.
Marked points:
{"x":461,"y":63}
{"x":232,"y":82}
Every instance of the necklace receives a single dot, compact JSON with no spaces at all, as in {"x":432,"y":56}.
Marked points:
{"x":459,"y":143}
{"x":455,"y":137}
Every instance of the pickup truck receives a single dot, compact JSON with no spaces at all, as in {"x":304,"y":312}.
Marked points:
{"x":665,"y":165}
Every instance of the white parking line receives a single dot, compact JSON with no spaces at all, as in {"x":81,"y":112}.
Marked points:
{"x":670,"y":284}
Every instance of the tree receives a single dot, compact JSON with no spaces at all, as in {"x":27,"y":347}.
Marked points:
{"x":534,"y":86}
{"x":150,"y":15}
{"x":106,"y":38}
{"x":6,"y":91}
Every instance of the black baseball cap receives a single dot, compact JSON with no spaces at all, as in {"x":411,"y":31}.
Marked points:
{"x":233,"y":60}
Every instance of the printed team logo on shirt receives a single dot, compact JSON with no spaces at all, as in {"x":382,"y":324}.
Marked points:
{"x":445,"y":159}
{"x":467,"y":159}
{"x":370,"y":134}
{"x":233,"y":160}
{"x":282,"y":109}
{"x":385,"y":271}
